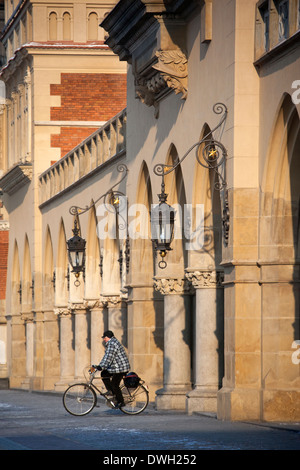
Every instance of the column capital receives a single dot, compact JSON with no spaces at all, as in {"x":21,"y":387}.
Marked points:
{"x":62,"y":311}
{"x":79,"y":306}
{"x":91,"y":304}
{"x":113,"y":300}
{"x":205,"y":278}
{"x":173,"y":286}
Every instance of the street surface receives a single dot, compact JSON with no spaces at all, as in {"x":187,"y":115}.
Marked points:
{"x":38,"y":421}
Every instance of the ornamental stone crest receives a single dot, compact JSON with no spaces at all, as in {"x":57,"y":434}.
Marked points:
{"x":172,"y":74}
{"x":172,"y":66}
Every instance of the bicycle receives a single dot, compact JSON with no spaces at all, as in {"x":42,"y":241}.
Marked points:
{"x":79,"y":399}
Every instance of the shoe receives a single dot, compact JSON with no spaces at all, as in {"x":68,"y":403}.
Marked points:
{"x":108,"y":395}
{"x":120,"y":405}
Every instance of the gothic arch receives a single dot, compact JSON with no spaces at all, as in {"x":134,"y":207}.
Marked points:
{"x":26,"y":279}
{"x":61,"y":282}
{"x":52,"y":26}
{"x":111,"y":279}
{"x":48,"y":272}
{"x":93,"y":26}
{"x":279,"y":248}
{"x":207,"y":246}
{"x":16,"y":281}
{"x":92,"y":284}
{"x":280,"y":192}
{"x":67,"y":26}
{"x":140,"y":233}
{"x":177,"y":258}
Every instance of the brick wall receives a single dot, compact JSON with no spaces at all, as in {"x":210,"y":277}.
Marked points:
{"x":85,"y":97}
{"x":3,"y":261}
{"x":69,"y":137}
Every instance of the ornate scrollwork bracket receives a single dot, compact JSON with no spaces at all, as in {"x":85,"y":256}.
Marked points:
{"x":212,"y":156}
{"x":110,"y":197}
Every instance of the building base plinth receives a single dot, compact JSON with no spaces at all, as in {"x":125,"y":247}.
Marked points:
{"x":258,"y":405}
{"x":171,"y":399}
{"x":201,"y":400}
{"x":63,"y":384}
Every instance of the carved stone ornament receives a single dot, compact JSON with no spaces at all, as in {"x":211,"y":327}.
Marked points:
{"x":171,"y":73}
{"x":62,"y":311}
{"x":114,"y":301}
{"x":89,"y":304}
{"x":205,"y":278}
{"x":172,"y":66}
{"x":173,"y":286}
{"x":76,"y":306}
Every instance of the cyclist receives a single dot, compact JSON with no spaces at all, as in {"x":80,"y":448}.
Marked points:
{"x":114,"y":365}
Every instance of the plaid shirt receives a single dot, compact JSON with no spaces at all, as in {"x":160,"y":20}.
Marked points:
{"x":115,"y":360}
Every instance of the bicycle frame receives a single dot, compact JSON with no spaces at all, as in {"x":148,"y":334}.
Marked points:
{"x":96,"y":389}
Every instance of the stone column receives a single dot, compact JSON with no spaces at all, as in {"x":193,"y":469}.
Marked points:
{"x":67,"y":352}
{"x":29,"y":332}
{"x":82,"y":340}
{"x":208,"y":340}
{"x":177,"y":343}
{"x":117,"y":318}
{"x":17,"y":354}
{"x":98,"y":313}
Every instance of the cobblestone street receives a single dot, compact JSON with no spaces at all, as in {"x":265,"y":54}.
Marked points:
{"x":38,"y":421}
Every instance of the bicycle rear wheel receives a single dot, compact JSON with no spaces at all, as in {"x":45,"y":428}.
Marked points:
{"x":136,"y":399}
{"x":79,"y":399}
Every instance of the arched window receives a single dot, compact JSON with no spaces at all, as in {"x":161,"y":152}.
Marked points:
{"x":52,"y":26}
{"x":67,"y":26}
{"x":93,"y":27}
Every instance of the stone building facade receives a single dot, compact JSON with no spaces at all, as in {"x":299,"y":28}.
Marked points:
{"x":56,"y":79}
{"x":213,"y":102}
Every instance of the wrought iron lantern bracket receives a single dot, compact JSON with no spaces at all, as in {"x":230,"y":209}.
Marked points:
{"x":213,"y":156}
{"x":76,"y":244}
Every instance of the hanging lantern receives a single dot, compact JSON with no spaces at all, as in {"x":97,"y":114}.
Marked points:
{"x":162,"y":229}
{"x":76,"y":251}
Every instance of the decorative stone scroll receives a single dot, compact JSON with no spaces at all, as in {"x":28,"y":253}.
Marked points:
{"x":173,"y":286}
{"x":205,"y":278}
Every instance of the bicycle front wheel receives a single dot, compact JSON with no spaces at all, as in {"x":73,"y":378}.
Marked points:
{"x":79,"y":399}
{"x":136,"y":400}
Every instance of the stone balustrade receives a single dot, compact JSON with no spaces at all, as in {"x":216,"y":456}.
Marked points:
{"x":107,"y":142}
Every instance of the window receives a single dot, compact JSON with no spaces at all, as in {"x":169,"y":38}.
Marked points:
{"x":66,"y":26}
{"x":283,"y":19}
{"x":93,"y":27}
{"x":53,"y":26}
{"x":265,"y":16}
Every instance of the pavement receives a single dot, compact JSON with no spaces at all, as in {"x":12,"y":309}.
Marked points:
{"x":38,"y":421}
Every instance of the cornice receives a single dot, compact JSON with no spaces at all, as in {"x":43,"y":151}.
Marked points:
{"x":150,"y":35}
{"x":18,"y":176}
{"x":33,"y":48}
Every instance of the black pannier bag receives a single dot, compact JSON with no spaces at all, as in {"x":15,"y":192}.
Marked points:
{"x":131,"y":380}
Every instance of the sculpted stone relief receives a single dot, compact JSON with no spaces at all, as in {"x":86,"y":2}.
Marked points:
{"x":172,"y":73}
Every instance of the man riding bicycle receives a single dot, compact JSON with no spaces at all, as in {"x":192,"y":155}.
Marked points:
{"x":114,"y":365}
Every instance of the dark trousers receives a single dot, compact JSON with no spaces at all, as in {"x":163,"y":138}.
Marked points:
{"x":112,"y":384}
